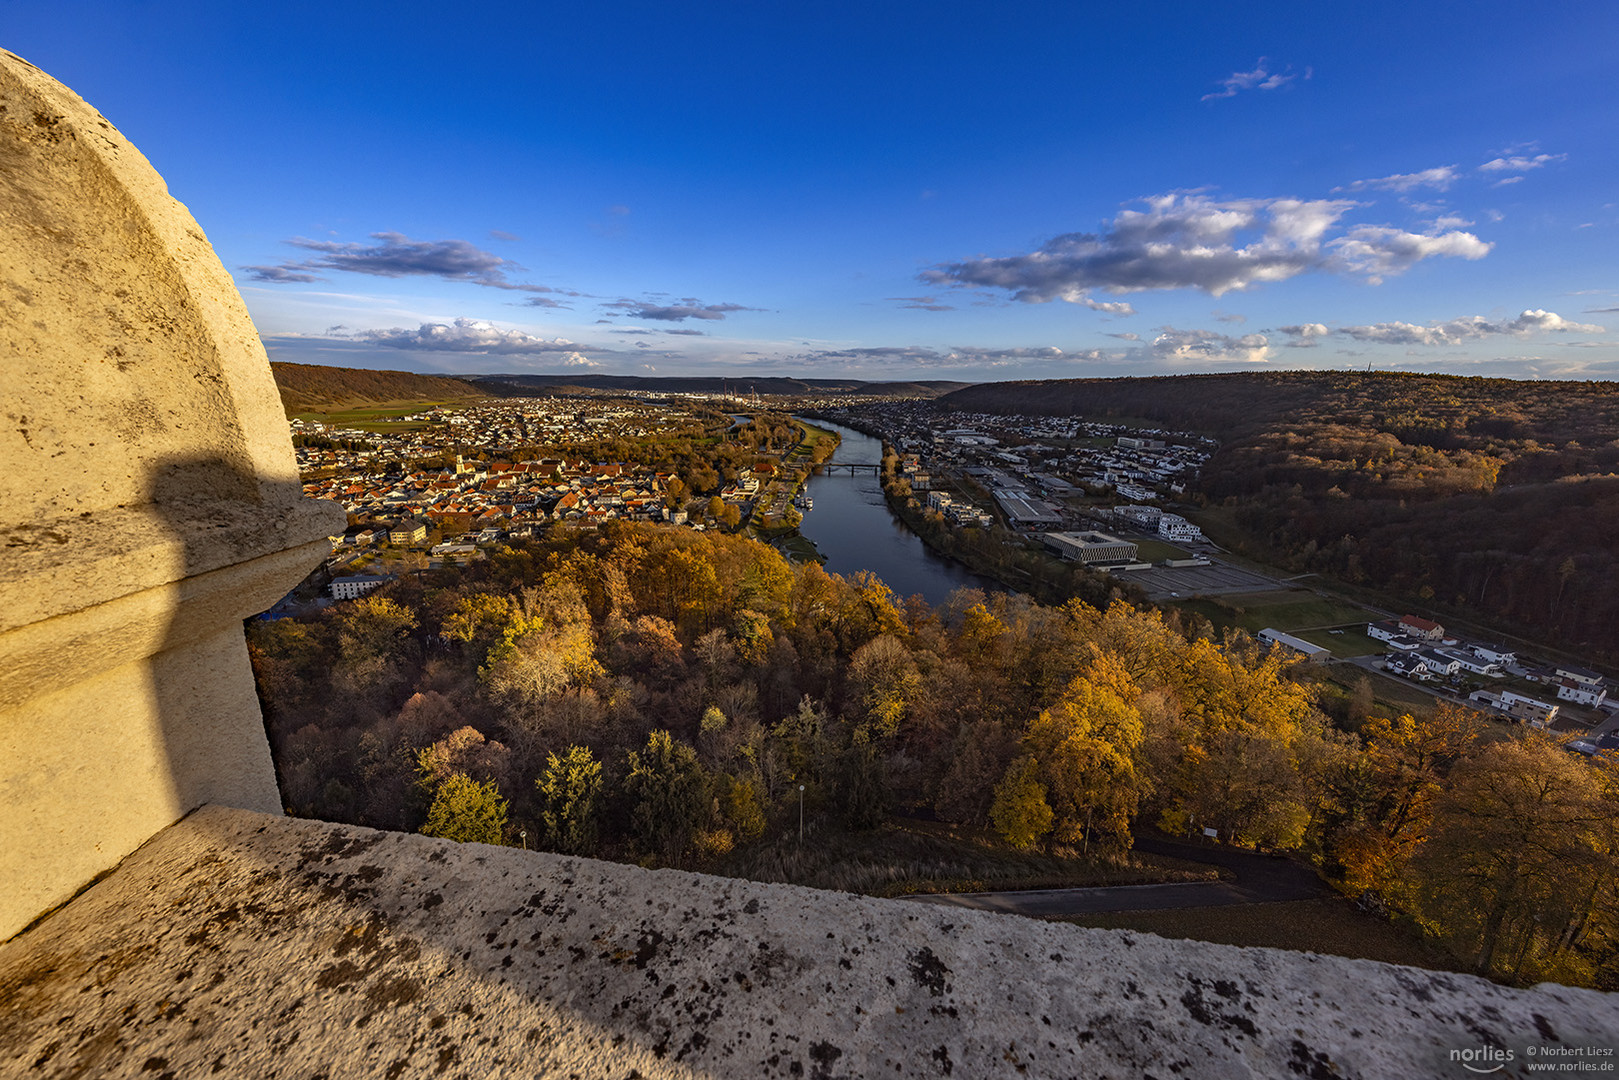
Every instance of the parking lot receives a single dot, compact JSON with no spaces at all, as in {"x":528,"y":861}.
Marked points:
{"x":1161,"y":582}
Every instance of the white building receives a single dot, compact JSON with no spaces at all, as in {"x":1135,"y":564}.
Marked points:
{"x":1175,"y":527}
{"x":352,"y":588}
{"x":1580,"y":693}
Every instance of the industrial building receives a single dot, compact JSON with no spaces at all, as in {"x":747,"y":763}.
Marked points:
{"x":1091,"y":547}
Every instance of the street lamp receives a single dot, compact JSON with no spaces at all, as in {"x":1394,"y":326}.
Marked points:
{"x":801,"y":815}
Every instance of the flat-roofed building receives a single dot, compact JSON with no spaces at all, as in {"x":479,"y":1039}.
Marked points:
{"x":1269,"y":636}
{"x":1021,"y":510}
{"x":1175,"y":527}
{"x":1091,"y":547}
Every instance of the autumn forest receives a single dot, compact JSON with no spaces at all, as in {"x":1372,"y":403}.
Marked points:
{"x":659,"y":695}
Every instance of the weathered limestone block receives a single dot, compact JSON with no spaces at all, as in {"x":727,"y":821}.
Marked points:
{"x":247,"y":945}
{"x":152,"y":503}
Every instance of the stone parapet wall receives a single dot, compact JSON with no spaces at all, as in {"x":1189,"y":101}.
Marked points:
{"x":152,"y":502}
{"x":271,"y":947}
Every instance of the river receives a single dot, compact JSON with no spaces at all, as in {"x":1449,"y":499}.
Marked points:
{"x":853,"y":527}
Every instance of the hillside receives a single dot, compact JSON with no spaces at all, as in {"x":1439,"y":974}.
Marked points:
{"x":530,"y":384}
{"x":1489,"y":499}
{"x":1236,"y":404}
{"x":306,"y":387}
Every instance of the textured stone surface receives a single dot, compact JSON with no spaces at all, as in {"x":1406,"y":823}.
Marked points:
{"x":151,"y":502}
{"x":262,"y":946}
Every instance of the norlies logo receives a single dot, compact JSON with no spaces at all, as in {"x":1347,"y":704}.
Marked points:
{"x":1477,"y":1060}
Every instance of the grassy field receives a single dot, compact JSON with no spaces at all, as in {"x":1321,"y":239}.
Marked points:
{"x":1289,"y":609}
{"x":909,"y":856}
{"x":800,"y":549}
{"x":382,"y":417}
{"x":1330,"y":925}
{"x":1346,"y":644}
{"x":1389,"y":695}
{"x":1158,"y":550}
{"x":814,"y":436}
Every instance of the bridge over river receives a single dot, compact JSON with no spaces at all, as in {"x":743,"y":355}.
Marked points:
{"x":851,"y":467}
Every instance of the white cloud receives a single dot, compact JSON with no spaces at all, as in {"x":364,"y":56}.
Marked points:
{"x":1378,"y":251}
{"x":1304,"y":334}
{"x":468,"y":336}
{"x":1204,"y":345}
{"x":1468,"y":328}
{"x":1441,"y":178}
{"x":1193,"y":241}
{"x":1261,"y":78}
{"x":1519,"y":163}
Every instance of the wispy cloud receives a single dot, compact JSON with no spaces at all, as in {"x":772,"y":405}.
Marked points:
{"x":1441,"y":178}
{"x":1193,"y":241}
{"x":396,"y":255}
{"x":281,"y":275}
{"x":921,"y":356}
{"x":920,"y":303}
{"x":1519,"y":163}
{"x":1452,"y":332}
{"x":1171,"y":347}
{"x":1261,"y":78}
{"x":682,"y":309}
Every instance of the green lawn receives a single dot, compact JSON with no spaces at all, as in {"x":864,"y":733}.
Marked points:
{"x":379,"y":418}
{"x":800,"y":549}
{"x":1350,"y":642}
{"x":1158,"y":550}
{"x":1290,"y":610}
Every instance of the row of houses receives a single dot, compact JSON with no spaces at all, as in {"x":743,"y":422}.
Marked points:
{"x":1421,"y":649}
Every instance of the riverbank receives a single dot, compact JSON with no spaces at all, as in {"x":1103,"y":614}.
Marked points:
{"x":854,"y":530}
{"x":998,"y":554}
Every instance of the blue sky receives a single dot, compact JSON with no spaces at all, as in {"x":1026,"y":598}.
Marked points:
{"x":885,"y":190}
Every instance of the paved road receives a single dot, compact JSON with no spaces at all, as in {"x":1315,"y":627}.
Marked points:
{"x":1260,"y":879}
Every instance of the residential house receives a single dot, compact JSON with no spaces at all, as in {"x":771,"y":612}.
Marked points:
{"x":1424,"y":629}
{"x":1527,"y":708}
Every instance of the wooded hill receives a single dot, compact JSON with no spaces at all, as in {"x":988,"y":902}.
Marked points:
{"x":306,"y":387}
{"x":540,"y":384}
{"x":1490,"y":499}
